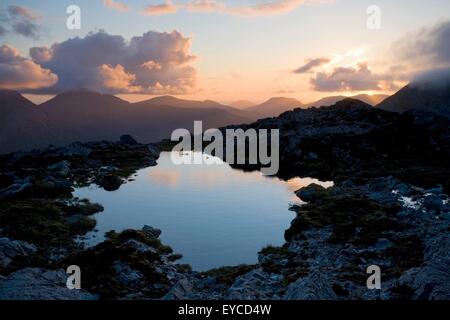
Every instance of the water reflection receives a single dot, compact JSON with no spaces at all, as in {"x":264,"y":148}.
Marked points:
{"x":212,"y":214}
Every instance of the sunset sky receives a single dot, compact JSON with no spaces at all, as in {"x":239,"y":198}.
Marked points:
{"x":221,"y":50}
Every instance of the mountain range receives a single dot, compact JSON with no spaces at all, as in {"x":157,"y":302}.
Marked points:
{"x":274,"y":107}
{"x":424,"y":97}
{"x":83,"y":115}
{"x":373,"y":100}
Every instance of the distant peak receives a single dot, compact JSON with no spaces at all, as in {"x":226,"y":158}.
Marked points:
{"x":352,"y":103}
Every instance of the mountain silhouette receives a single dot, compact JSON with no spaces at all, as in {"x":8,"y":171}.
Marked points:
{"x":425,"y":97}
{"x":274,"y":107}
{"x":373,"y":100}
{"x":84,"y":115}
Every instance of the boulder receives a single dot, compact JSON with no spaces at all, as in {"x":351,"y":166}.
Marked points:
{"x":181,"y":291}
{"x":313,"y":287}
{"x":127,"y":275}
{"x":151,"y":232}
{"x":431,"y":281}
{"x":311,"y":193}
{"x":434,"y":202}
{"x":110,"y":182}
{"x":16,"y":189}
{"x":256,"y":285}
{"x":61,"y":168}
{"x":40,"y":284}
{"x":10,"y":249}
{"x":75,"y":150}
{"x":129,"y":140}
{"x":154,"y":151}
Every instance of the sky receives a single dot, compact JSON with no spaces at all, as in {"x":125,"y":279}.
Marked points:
{"x":222,"y":50}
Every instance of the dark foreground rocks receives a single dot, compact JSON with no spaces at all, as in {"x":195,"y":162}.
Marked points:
{"x":40,"y":220}
{"x":389,"y":207}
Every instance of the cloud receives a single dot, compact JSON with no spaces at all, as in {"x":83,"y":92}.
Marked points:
{"x":155,"y":63}
{"x":17,"y":72}
{"x":23,"y":12}
{"x":205,"y":6}
{"x":116,"y":5}
{"x":354,"y":78}
{"x":160,"y":9}
{"x":439,"y":78}
{"x":428,"y":48}
{"x":117,"y":78}
{"x":22,"y":21}
{"x":260,"y":8}
{"x":311,"y":64}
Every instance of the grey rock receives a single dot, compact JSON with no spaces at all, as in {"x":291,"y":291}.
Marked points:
{"x":313,"y":287}
{"x":445,"y":216}
{"x":138,"y":246}
{"x":383,"y":244}
{"x":61,"y":168}
{"x":151,"y":232}
{"x":128,"y":276}
{"x":310,"y":193}
{"x":15,"y":189}
{"x":434,"y":202}
{"x":181,"y":291}
{"x":40,"y":284}
{"x":431,"y":281}
{"x":256,"y":285}
{"x":75,"y":149}
{"x":154,"y":151}
{"x":10,"y":249}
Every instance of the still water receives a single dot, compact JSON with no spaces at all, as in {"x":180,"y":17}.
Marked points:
{"x":212,"y":214}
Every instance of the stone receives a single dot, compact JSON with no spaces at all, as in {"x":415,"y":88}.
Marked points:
{"x":75,"y":149}
{"x":433,"y":202}
{"x":127,"y":275}
{"x":311,"y":193}
{"x":10,"y":249}
{"x":110,"y":182}
{"x":431,"y":281}
{"x":383,"y":244}
{"x":313,"y":287}
{"x":61,"y":168}
{"x":154,"y":151}
{"x":139,"y":247}
{"x":129,"y":140}
{"x":255,"y":285}
{"x":151,"y":232}
{"x":181,"y":291}
{"x":16,"y":189}
{"x":40,"y":284}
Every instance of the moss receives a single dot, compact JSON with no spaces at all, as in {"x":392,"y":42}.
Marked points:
{"x":274,"y":250}
{"x":84,"y":207}
{"x":141,"y":237}
{"x":82,"y":225}
{"x":45,"y":221}
{"x":99,"y":275}
{"x":35,"y":220}
{"x":354,"y":219}
{"x":227,"y":275}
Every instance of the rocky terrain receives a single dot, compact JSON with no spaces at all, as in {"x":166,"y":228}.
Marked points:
{"x":389,"y":207}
